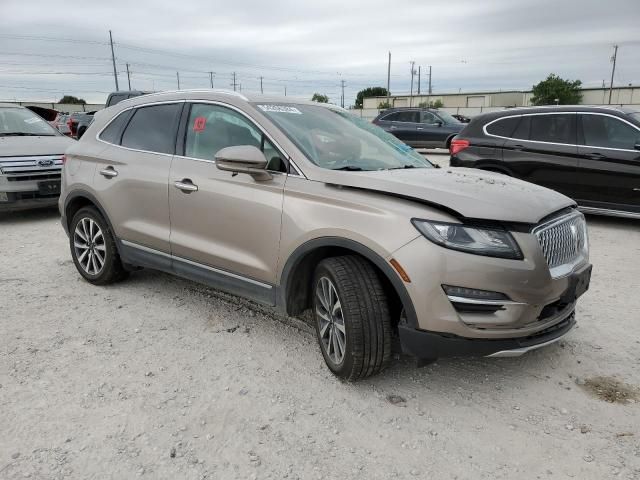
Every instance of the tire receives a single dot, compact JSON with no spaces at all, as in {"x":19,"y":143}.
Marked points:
{"x":363,"y":313}
{"x":97,"y":259}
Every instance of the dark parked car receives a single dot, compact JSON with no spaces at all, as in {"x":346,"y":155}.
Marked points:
{"x":420,"y":127}
{"x":117,"y":97}
{"x":79,"y":122}
{"x":591,"y":154}
{"x":461,"y":118}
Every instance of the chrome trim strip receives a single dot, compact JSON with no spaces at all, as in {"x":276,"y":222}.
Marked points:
{"x":517,"y":352}
{"x":32,"y":158}
{"x":473,"y":301}
{"x":196,"y":264}
{"x":606,"y":211}
{"x":484,"y":129}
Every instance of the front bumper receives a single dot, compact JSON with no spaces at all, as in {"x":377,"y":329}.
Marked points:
{"x":428,"y":345}
{"x":18,"y":193}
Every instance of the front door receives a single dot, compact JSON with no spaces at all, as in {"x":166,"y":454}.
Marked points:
{"x":609,"y":162}
{"x":225,"y":227}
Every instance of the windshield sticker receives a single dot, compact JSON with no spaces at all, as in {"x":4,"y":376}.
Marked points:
{"x":279,"y":109}
{"x":33,"y":120}
{"x":199,"y":124}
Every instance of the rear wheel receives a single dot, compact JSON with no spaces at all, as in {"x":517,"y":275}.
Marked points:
{"x":352,"y":317}
{"x":93,"y":248}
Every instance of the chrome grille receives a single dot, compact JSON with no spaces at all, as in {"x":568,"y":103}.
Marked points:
{"x":564,"y":242}
{"x":33,"y":165}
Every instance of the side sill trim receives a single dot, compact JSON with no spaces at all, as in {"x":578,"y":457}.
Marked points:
{"x":196,"y":264}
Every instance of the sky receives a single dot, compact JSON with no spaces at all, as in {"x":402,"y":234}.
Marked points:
{"x":49,"y":49}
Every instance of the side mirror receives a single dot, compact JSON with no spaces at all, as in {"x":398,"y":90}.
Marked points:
{"x":243,"y":159}
{"x":438,"y":123}
{"x":637,"y":146}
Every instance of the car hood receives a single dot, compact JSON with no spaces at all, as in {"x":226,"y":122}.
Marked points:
{"x":465,"y":192}
{"x":26,"y":146}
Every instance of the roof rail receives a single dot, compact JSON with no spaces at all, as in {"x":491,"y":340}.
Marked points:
{"x":205,"y":90}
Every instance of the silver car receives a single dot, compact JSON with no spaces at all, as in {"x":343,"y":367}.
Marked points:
{"x":31,"y":157}
{"x":304,"y":206}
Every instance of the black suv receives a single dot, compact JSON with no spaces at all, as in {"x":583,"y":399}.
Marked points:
{"x":591,"y":154}
{"x":420,"y":127}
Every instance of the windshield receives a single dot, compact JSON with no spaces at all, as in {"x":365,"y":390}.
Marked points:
{"x":447,"y":117}
{"x":337,"y":140}
{"x":23,"y":122}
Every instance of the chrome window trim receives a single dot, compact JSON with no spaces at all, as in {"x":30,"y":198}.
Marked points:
{"x":298,"y":172}
{"x":252,"y":121}
{"x":484,"y":129}
{"x":196,"y":264}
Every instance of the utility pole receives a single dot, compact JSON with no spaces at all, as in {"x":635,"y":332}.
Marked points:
{"x":234,"y":84}
{"x":211,"y":79}
{"x":128,"y":77}
{"x":285,"y":90}
{"x":178,"y":77}
{"x":389,"y":81}
{"x":261,"y":90}
{"x":412,"y":73}
{"x":613,"y":70}
{"x":429,"y":91}
{"x":419,"y":68}
{"x":342,"y":96}
{"x":113,"y":59}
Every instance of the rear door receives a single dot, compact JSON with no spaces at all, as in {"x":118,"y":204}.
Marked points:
{"x":132,"y":173}
{"x":543,"y":151}
{"x":225,"y":228}
{"x":609,"y":162}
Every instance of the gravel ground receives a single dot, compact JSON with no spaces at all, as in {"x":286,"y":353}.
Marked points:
{"x":162,"y":378}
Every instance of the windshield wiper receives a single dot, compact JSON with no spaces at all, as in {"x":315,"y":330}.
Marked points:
{"x":349,"y":168}
{"x":403,"y":167}
{"x":24,"y":134}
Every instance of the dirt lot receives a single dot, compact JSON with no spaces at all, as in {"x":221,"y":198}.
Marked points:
{"x":162,"y":378}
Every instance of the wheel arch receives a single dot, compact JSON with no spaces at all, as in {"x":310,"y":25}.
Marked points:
{"x":294,"y":291}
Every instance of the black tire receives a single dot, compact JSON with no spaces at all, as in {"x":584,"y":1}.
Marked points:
{"x":364,"y":312}
{"x":112,"y":269}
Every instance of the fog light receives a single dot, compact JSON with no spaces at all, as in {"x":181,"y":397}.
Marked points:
{"x":473,"y":293}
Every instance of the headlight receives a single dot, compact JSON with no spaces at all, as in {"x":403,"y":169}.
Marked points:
{"x":491,"y":242}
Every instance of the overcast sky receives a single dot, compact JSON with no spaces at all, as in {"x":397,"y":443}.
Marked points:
{"x":50,"y":48}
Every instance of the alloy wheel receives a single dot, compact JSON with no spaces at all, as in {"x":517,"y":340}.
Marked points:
{"x":89,"y":246}
{"x":331,"y":327}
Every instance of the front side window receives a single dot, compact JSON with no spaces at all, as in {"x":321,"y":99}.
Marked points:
{"x":553,"y":128}
{"x":335,"y":139}
{"x":428,"y":117}
{"x":211,"y":128}
{"x":609,"y":132}
{"x":152,"y":128}
{"x":21,"y":122}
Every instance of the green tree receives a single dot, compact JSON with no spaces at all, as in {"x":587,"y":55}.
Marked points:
{"x":432,"y":104}
{"x":320,"y":98}
{"x":566,"y":92}
{"x":369,"y":92}
{"x":383,"y":105}
{"x":72,"y":99}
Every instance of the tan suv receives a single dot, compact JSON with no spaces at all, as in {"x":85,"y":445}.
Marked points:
{"x":304,"y":206}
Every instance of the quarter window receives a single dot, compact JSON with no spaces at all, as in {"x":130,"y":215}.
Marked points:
{"x":553,"y":128}
{"x":608,"y":132}
{"x":211,"y":128}
{"x":152,"y":129}
{"x":111,"y":134}
{"x":503,"y":127}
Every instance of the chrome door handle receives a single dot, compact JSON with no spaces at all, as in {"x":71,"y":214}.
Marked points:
{"x":595,"y":156}
{"x":419,"y":128}
{"x":518,"y":147}
{"x":636,"y":189}
{"x":392,"y":127}
{"x":109,"y":172}
{"x":186,"y":185}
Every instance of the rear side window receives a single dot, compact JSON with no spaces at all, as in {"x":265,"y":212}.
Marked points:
{"x":609,"y":132}
{"x":152,"y":129}
{"x":503,"y":127}
{"x":111,"y":134}
{"x":522,"y":130}
{"x":411,"y":117}
{"x":553,"y":128}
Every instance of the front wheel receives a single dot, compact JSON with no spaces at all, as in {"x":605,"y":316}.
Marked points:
{"x":352,"y":317}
